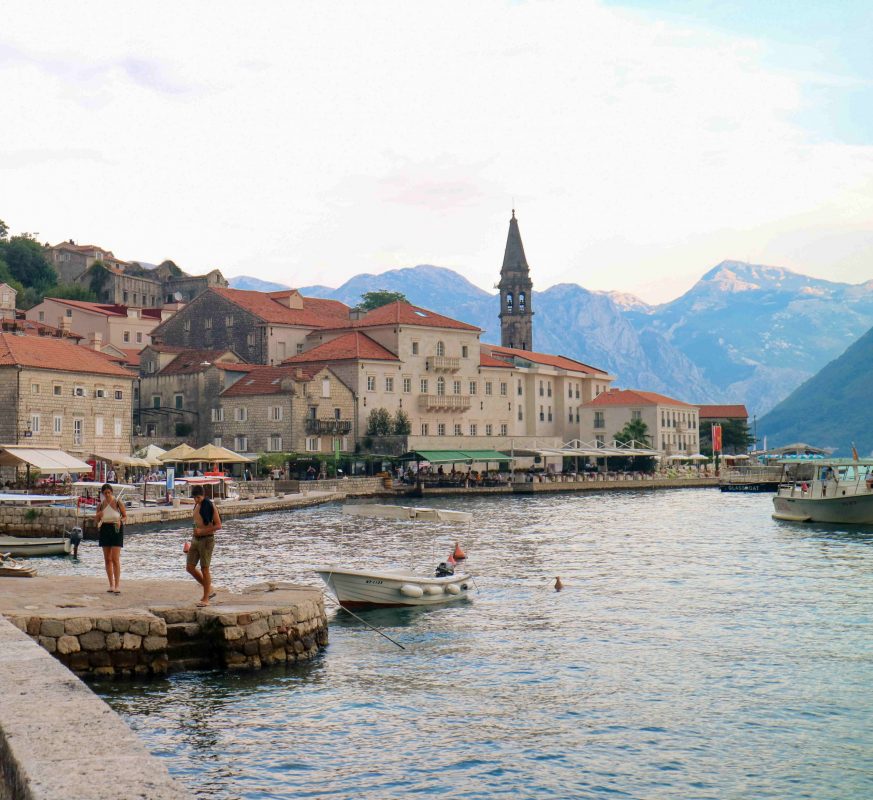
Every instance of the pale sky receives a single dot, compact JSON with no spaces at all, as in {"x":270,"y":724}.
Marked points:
{"x":306,"y":143}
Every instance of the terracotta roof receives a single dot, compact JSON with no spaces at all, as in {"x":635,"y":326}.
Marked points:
{"x":47,"y":352}
{"x":268,"y":380}
{"x":158,"y":347}
{"x":81,"y":247}
{"x":131,"y":356}
{"x":634,"y":397}
{"x":33,"y":328}
{"x":106,"y":309}
{"x":352,"y":345}
{"x":400,"y":313}
{"x":316,"y":313}
{"x":487,"y":360}
{"x":738,"y":411}
{"x":561,"y":362}
{"x":192,"y":361}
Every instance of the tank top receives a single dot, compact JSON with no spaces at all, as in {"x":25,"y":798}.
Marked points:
{"x":111,"y":514}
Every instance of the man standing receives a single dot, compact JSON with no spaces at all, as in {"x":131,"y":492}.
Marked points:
{"x":206,"y":522}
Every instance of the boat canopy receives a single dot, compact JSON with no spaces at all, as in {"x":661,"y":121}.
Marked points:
{"x":45,"y":460}
{"x":455,"y":456}
{"x":407,"y":512}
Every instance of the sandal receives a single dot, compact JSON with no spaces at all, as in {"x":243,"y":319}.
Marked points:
{"x":202,"y":604}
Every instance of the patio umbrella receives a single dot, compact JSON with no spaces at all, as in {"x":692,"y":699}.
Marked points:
{"x":152,"y":454}
{"x":178,"y":453}
{"x":216,"y":454}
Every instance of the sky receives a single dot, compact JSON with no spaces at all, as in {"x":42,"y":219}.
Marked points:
{"x":641,"y":142}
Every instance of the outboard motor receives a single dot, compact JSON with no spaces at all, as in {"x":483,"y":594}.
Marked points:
{"x":444,"y":570}
{"x":75,"y":538}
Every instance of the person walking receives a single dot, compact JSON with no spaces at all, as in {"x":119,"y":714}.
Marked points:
{"x":110,"y":518}
{"x":206,"y":522}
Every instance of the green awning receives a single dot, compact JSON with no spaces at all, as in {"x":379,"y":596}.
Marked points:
{"x":454,"y":456}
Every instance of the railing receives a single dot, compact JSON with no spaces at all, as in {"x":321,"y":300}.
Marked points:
{"x":338,"y":427}
{"x":443,"y":363}
{"x":452,"y":402}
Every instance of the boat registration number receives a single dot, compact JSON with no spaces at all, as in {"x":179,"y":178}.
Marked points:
{"x":371,"y":580}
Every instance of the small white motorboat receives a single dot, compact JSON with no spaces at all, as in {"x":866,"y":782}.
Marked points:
{"x":826,"y":490}
{"x":398,"y":588}
{"x":36,"y":546}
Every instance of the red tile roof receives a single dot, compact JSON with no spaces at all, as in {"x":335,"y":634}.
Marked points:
{"x":400,"y":313}
{"x":737,"y":411}
{"x":34,"y":328}
{"x":316,"y":313}
{"x":634,"y":397}
{"x":159,"y":347}
{"x":560,"y":362}
{"x":352,"y":345}
{"x":131,"y":357}
{"x":192,"y":361}
{"x":268,"y":380}
{"x":47,"y":352}
{"x":487,"y":360}
{"x":106,"y":309}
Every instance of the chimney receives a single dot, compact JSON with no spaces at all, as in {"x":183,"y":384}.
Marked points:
{"x":64,"y":324}
{"x":298,"y":374}
{"x":355,"y":313}
{"x":95,"y":340}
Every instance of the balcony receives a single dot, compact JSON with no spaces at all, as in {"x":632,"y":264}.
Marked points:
{"x":443,"y":363}
{"x":443,"y":402}
{"x":329,"y":427}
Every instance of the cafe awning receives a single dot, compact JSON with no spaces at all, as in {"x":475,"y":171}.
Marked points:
{"x":45,"y":460}
{"x":455,"y":456}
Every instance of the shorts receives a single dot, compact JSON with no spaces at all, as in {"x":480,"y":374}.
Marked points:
{"x":201,"y":550}
{"x":110,"y":536}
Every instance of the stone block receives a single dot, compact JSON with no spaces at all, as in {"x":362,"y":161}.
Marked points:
{"x":250,"y":648}
{"x":79,"y":661}
{"x":139,"y":626}
{"x":227,"y":620}
{"x":298,"y":646}
{"x":254,"y":662}
{"x":77,"y":626}
{"x":51,"y":627}
{"x":124,"y":658}
{"x":256,"y":629}
{"x":48,"y":643}
{"x":233,"y":633}
{"x":173,"y":616}
{"x":131,"y":641}
{"x":68,"y":644}
{"x":100,"y":658}
{"x":235,"y":659}
{"x":103,"y":624}
{"x":104,"y":671}
{"x":113,"y":641}
{"x":120,"y":624}
{"x":279,"y":639}
{"x":244,"y":619}
{"x":20,"y":623}
{"x":158,"y":627}
{"x":93,"y":640}
{"x":33,"y":625}
{"x":152,"y":643}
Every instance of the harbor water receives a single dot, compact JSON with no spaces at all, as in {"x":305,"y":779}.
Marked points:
{"x":699,"y":649}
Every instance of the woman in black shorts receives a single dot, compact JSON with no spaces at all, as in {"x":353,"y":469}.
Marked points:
{"x":111,"y":515}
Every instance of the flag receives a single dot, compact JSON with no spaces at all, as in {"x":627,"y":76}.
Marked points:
{"x":716,"y":438}
{"x":854,"y":452}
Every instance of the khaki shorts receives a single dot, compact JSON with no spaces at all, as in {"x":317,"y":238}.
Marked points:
{"x":201,"y":550}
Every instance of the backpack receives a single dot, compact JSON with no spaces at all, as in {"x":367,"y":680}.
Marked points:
{"x":207,"y":511}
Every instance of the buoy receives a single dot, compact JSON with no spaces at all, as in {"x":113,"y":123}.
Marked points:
{"x":434,"y":590}
{"x":411,"y":590}
{"x":558,"y":585}
{"x":453,"y":588}
{"x":458,"y":555}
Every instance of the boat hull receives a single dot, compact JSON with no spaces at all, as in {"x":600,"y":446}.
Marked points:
{"x":851,"y":509}
{"x":358,"y":589}
{"x":30,"y":547}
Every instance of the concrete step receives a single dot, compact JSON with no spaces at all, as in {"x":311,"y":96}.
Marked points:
{"x":183,"y":632}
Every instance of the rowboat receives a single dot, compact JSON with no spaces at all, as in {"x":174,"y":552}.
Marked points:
{"x":45,"y":546}
{"x":398,"y":588}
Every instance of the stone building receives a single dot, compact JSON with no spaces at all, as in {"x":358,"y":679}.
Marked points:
{"x":672,"y":424}
{"x":70,"y":260}
{"x":515,"y":293}
{"x":262,"y":327}
{"x":285,"y":409}
{"x":63,"y":396}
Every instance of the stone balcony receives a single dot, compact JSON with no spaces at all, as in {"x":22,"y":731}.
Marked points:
{"x":443,"y":402}
{"x":443,"y":363}
{"x":333,"y":427}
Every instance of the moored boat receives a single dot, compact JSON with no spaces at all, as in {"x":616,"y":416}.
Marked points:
{"x":830,"y":490}
{"x":35,"y":546}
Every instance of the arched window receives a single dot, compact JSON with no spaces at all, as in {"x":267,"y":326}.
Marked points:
{"x":440,"y":349}
{"x":521,"y":301}
{"x":441,"y":385}
{"x":509,"y":302}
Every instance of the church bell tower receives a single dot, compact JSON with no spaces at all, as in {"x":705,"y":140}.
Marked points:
{"x":516,"y":315}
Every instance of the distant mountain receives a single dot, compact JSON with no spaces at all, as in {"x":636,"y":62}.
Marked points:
{"x":255,"y":284}
{"x":831,"y":409}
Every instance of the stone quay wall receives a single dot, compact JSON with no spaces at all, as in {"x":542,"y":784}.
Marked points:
{"x":36,"y":521}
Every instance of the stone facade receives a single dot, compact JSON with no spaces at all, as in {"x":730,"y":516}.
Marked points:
{"x":516,"y":293}
{"x":70,"y":260}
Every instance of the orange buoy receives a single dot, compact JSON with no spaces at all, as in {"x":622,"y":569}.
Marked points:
{"x":558,"y":585}
{"x":458,"y":555}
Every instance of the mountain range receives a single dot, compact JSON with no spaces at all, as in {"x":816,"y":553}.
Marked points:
{"x":743,"y":333}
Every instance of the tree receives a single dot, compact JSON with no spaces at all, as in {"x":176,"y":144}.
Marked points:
{"x":401,"y":425}
{"x":26,"y":263}
{"x":4,"y":231}
{"x":379,"y":422}
{"x":72,"y":291}
{"x":98,"y":279}
{"x":634,"y":431}
{"x":735,"y":436}
{"x":636,"y":434}
{"x":379,"y":298}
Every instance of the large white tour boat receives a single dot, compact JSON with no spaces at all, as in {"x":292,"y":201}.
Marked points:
{"x":831,"y":490}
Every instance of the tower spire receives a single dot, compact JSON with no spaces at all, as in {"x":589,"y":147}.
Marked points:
{"x":516,"y":323}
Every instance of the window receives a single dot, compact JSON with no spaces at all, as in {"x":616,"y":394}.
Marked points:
{"x":441,"y":386}
{"x":207,"y":324}
{"x":521,"y":301}
{"x":117,"y":428}
{"x":241,"y":443}
{"x":325,"y":387}
{"x":119,"y":394}
{"x":542,"y":414}
{"x":424,"y":429}
{"x":389,"y":384}
{"x":598,"y":420}
{"x":570,"y":416}
{"x":473,"y":429}
{"x":34,"y":388}
{"x":124,"y":297}
{"x":34,"y":423}
{"x":577,"y":415}
{"x":228,"y":320}
{"x":42,"y":316}
{"x":636,"y":414}
{"x":415,"y":348}
{"x":299,"y":348}
{"x":250,"y":339}
{"x":179,"y":401}
{"x":126,"y":336}
{"x":541,"y":388}
{"x":276,"y":413}
{"x":151,"y":429}
{"x":519,"y":414}
{"x":465,"y":351}
{"x":577,"y":391}
{"x":519,"y":386}
{"x":313,"y":444}
{"x":488,"y":429}
{"x":423,"y":385}
{"x":550,"y":414}
{"x":240,"y":414}
{"x":56,"y":390}
{"x":569,"y":391}
{"x":549,"y":388}
{"x":407,"y":385}
{"x":58,"y":424}
{"x":156,"y":401}
{"x":488,"y":387}
{"x":371,"y":383}
{"x":79,"y":391}
{"x":218,"y":414}
{"x":98,"y":425}
{"x":458,"y":429}
{"x":503,"y":388}
{"x":440,"y":349}
{"x":456,"y":387}
{"x":276,"y":443}
{"x":100,"y":392}
{"x":504,"y":429}
{"x":186,"y":326}
{"x":69,"y":312}
{"x":217,"y":441}
{"x":599,"y":439}
{"x":509,"y":303}
{"x":441,"y":429}
{"x":139,"y":337}
{"x":473,"y":387}
{"x":79,"y":427}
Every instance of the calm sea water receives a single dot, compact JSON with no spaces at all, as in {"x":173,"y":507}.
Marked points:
{"x":699,"y":650}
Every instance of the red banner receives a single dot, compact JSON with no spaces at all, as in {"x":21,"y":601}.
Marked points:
{"x":716,"y":438}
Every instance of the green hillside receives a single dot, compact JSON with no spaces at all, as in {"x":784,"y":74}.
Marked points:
{"x":832,"y":409}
